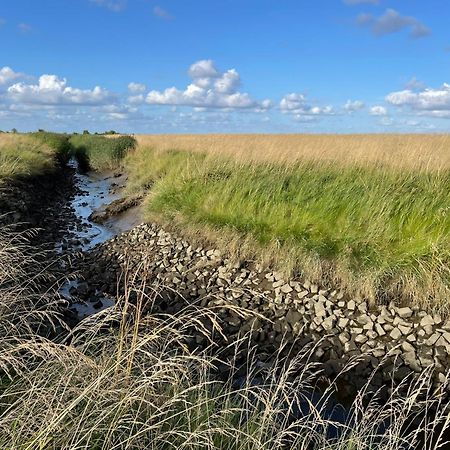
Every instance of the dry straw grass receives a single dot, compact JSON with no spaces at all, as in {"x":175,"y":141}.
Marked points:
{"x":127,"y":380}
{"x":407,"y":151}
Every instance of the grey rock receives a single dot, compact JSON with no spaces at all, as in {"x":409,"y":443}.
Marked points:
{"x":427,"y":320}
{"x":396,"y":334}
{"x":405,"y":313}
{"x":407,"y":347}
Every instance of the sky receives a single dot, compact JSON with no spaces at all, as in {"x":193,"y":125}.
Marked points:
{"x":225,"y":66}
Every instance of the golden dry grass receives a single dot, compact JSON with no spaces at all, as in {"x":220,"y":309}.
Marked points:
{"x":409,"y":151}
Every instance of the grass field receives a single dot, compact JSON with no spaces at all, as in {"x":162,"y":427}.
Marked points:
{"x":369,"y":212}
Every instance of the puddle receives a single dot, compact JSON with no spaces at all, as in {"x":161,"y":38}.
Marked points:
{"x":87,"y":308}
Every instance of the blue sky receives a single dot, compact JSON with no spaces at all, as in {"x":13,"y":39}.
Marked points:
{"x":178,"y":66}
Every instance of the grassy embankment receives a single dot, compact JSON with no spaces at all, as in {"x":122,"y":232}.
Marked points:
{"x":368,"y":212}
{"x":31,"y":154}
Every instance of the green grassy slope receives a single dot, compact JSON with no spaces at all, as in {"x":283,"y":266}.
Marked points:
{"x":379,"y":230}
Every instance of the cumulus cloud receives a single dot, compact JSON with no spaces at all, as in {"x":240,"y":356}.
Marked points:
{"x":113,"y":5}
{"x":8,"y":76}
{"x":137,"y":88}
{"x":52,"y":90}
{"x":210,"y":88}
{"x":162,"y":13}
{"x":392,"y":22}
{"x":297,"y":105}
{"x":378,"y":111}
{"x":353,"y":105}
{"x":428,"y":101}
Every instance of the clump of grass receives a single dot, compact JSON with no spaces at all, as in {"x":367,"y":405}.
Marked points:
{"x":379,"y":231}
{"x":22,"y":156}
{"x":99,"y":152}
{"x":57,"y":141}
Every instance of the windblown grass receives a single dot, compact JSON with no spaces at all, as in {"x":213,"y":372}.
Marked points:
{"x":125,"y":379}
{"x":99,"y":152}
{"x":23,"y":155}
{"x":377,"y":223}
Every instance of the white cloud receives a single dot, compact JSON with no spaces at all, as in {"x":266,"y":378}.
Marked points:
{"x":360,"y":2}
{"x":52,"y":90}
{"x":24,"y":28}
{"x":162,"y":13}
{"x":137,"y":88}
{"x":429,"y":101}
{"x":136,"y":99}
{"x":203,"y":69}
{"x":353,"y":105}
{"x":414,"y":84}
{"x":8,"y":76}
{"x":113,"y":5}
{"x":392,"y":22}
{"x":378,"y":111}
{"x":296,"y":104}
{"x":210,"y":88}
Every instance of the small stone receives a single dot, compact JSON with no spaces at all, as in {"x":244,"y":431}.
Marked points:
{"x":432,"y":340}
{"x":379,"y":329}
{"x":410,"y":360}
{"x":405,"y":312}
{"x":407,"y":347}
{"x":343,"y":322}
{"x":344,"y":337}
{"x":396,"y":334}
{"x":405,"y":330}
{"x":351,"y":305}
{"x":328,"y":323}
{"x":286,"y":289}
{"x":427,"y":320}
{"x":361,"y":339}
{"x":372,"y":334}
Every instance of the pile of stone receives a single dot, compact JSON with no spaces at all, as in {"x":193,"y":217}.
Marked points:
{"x":396,"y":340}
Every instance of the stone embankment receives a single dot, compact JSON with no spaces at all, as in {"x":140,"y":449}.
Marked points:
{"x":390,"y":341}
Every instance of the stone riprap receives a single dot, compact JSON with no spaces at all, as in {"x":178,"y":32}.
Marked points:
{"x":394,"y":340}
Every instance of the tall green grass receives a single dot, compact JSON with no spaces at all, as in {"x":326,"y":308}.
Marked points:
{"x":32,"y":154}
{"x":382,"y":231}
{"x":99,"y":152}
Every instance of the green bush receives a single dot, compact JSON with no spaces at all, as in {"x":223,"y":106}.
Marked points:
{"x":100,"y":153}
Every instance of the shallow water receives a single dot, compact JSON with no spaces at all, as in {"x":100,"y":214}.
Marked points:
{"x":95,"y":191}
